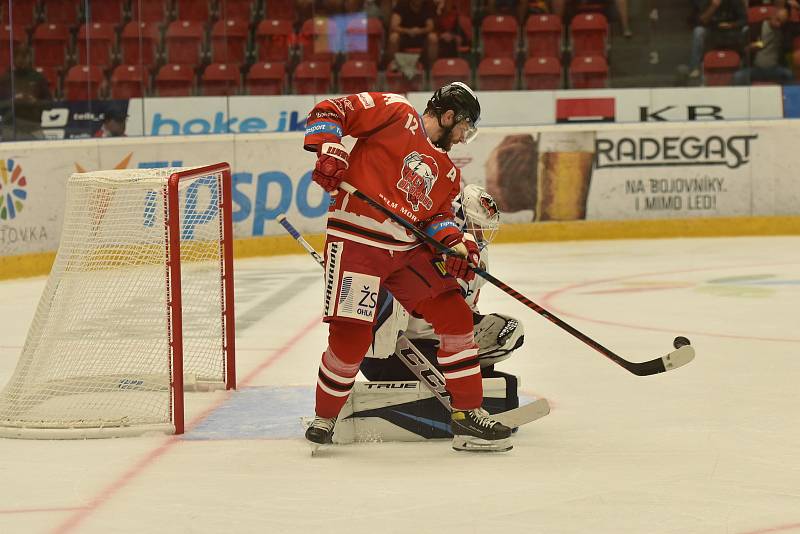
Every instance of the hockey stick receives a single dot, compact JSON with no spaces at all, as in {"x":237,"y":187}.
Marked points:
{"x":433,"y":379}
{"x":683,"y":354}
{"x":408,"y":353}
{"x":425,"y":372}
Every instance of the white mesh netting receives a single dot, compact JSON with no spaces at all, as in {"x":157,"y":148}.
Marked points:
{"x":97,"y":355}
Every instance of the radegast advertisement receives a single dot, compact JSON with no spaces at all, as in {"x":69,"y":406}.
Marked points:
{"x":619,"y":172}
{"x":551,"y":173}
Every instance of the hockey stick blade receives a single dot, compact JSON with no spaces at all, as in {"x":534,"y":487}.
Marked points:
{"x":652,"y":367}
{"x":673,"y":360}
{"x":527,"y":413}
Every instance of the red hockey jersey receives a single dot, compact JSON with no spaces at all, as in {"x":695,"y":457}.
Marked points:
{"x":393,"y":162}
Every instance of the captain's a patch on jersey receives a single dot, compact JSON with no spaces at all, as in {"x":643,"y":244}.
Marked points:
{"x":358,"y":296}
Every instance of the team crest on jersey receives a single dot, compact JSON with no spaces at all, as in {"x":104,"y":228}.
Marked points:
{"x":417,"y":177}
{"x":343,"y":104}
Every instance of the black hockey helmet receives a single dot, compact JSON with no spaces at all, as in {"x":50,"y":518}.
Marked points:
{"x":460,"y":98}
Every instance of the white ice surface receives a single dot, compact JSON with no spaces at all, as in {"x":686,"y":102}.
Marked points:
{"x":713,"y":447}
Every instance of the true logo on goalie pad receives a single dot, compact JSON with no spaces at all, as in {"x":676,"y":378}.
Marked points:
{"x":358,"y":296}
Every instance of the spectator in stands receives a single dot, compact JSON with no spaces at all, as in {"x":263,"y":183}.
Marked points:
{"x":720,"y":24}
{"x":766,"y":54}
{"x":24,"y":93}
{"x":448,"y":28}
{"x":411,"y":28}
{"x":114,"y":121}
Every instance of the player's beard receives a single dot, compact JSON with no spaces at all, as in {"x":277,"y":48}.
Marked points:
{"x":445,"y":141}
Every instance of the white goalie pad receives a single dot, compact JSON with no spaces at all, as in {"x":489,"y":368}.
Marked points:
{"x":403,"y":411}
{"x":497,"y":336}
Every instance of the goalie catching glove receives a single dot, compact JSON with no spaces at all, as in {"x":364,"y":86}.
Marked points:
{"x":331,"y":167}
{"x":497,"y":336}
{"x":446,"y":231}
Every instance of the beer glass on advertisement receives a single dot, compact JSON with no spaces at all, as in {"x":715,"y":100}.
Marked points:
{"x":564,"y":175}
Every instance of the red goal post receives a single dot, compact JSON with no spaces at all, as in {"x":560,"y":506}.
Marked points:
{"x":137,"y":310}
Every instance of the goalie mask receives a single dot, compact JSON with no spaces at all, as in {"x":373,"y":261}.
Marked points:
{"x":476,"y":213}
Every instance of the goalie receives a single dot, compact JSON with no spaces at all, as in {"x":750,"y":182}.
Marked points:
{"x":497,"y":335}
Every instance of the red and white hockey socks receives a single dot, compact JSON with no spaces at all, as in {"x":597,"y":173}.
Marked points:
{"x":347,"y":344}
{"x":458,"y":354}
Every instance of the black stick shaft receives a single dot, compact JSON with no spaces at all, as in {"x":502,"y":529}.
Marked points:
{"x":638,"y":369}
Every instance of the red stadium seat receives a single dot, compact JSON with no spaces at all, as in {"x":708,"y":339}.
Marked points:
{"x":111,"y":11}
{"x":755,"y":16}
{"x":229,"y":41}
{"x":10,"y":35}
{"x":588,"y":72}
{"x":83,"y":82}
{"x":266,"y":79}
{"x":541,"y":73}
{"x":357,"y":76}
{"x":64,"y":12}
{"x":184,"y":42}
{"x":274,"y":37}
{"x":364,"y":39}
{"x":397,"y":82}
{"x":220,"y":79}
{"x":51,"y":75}
{"x":150,"y":11}
{"x":174,"y":80}
{"x":589,"y":34}
{"x":138,"y":43}
{"x":23,"y":14}
{"x":236,"y":9}
{"x":497,"y":74}
{"x":95,"y":44}
{"x":499,"y":35}
{"x":719,"y":67}
{"x":315,"y":40}
{"x":50,"y":45}
{"x":281,"y":10}
{"x":446,"y":70}
{"x":543,"y":36}
{"x":312,"y":77}
{"x":129,"y":81}
{"x":194,"y":10}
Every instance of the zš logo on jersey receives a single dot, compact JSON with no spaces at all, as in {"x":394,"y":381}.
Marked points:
{"x":419,"y":173}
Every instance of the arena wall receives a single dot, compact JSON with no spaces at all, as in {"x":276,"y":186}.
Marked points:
{"x":571,"y":181}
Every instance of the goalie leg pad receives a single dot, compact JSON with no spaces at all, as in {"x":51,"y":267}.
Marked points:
{"x":405,"y":411}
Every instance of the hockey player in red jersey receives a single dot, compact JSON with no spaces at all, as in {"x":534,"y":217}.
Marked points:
{"x":399,"y":159}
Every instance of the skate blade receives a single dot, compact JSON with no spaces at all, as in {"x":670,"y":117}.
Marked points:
{"x":473,"y":444}
{"x":316,"y":448}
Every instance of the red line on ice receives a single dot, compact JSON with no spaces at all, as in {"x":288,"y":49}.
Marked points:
{"x":547,"y":298}
{"x":72,"y":522}
{"x":780,"y":528}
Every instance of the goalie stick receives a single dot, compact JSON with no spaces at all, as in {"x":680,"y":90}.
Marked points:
{"x":681,"y":356}
{"x":429,"y":375}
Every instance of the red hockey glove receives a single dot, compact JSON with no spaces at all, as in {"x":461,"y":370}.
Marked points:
{"x":459,"y":266}
{"x":331,"y":166}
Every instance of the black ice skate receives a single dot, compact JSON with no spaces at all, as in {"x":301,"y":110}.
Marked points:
{"x":475,"y":430}
{"x":320,"y":432}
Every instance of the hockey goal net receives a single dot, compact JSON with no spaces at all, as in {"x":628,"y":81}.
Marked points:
{"x":138,"y":307}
